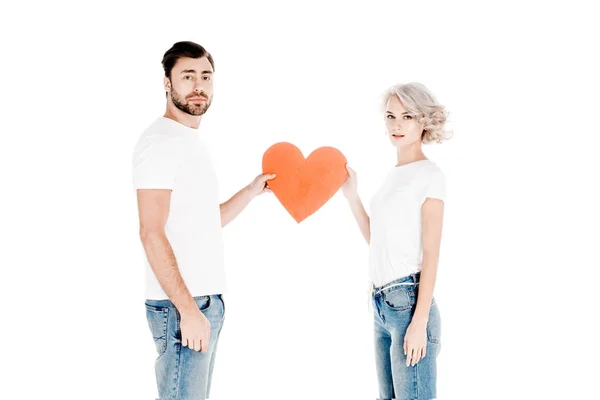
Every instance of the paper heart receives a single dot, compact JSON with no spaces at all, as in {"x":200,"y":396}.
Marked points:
{"x":303,"y":185}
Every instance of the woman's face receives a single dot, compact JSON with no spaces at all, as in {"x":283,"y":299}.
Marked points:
{"x":402,"y":127}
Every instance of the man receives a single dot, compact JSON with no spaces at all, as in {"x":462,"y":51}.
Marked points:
{"x":180,"y":227}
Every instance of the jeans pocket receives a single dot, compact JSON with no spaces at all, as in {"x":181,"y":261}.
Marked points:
{"x":434,"y":326}
{"x":157,"y":322}
{"x":223,"y":304}
{"x":203,"y":302}
{"x":397,"y":299}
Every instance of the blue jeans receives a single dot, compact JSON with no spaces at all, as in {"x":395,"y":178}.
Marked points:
{"x":183,"y":373}
{"x":393,"y":308}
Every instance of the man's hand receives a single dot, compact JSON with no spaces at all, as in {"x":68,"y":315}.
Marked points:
{"x":259,"y":184}
{"x":195,"y":331}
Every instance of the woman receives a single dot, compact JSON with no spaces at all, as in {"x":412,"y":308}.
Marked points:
{"x":404,"y":235}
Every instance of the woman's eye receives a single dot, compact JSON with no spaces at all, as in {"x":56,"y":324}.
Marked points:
{"x":408,"y":117}
{"x":390,"y":117}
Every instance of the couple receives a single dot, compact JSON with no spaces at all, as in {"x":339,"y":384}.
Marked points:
{"x":181,"y":221}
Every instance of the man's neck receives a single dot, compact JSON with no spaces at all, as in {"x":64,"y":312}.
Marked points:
{"x":191,"y":121}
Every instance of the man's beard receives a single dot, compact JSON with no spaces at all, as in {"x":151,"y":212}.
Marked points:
{"x":190,"y":108}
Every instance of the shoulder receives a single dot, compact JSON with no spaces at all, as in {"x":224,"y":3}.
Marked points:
{"x":430,"y":171}
{"x":158,"y":140}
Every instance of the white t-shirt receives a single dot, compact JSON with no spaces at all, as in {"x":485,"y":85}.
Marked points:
{"x":170,"y":155}
{"x":396,"y":248}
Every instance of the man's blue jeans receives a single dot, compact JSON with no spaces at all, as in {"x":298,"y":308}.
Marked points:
{"x":183,"y":373}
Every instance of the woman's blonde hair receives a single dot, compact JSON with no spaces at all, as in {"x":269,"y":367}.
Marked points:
{"x":419,"y":101}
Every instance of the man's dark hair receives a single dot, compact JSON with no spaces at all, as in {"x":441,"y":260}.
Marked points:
{"x":184,"y":49}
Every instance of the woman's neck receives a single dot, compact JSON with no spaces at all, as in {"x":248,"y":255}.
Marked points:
{"x":409,"y":155}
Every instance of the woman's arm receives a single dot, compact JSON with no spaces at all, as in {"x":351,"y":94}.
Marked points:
{"x":415,"y":340}
{"x":361,"y":216}
{"x":350,"y":189}
{"x":432,"y":213}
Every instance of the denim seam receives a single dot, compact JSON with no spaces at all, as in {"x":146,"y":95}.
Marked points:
{"x":213,"y":352}
{"x":429,"y":336}
{"x":397,"y":309}
{"x":378,"y":308}
{"x":177,"y":365}
{"x":164,"y":330}
{"x":154,"y":308}
{"x":416,"y":381}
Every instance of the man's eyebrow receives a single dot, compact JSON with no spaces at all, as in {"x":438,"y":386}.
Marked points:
{"x":193,"y":71}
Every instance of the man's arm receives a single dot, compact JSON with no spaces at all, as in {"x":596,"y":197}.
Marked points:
{"x":234,"y":206}
{"x":153,"y":209}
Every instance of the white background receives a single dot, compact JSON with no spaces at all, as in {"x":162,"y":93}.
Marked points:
{"x":517,"y":276}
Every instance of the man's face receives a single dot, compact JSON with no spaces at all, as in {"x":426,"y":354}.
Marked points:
{"x":191,"y":85}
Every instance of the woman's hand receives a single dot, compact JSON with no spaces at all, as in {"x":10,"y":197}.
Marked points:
{"x":415,"y":342}
{"x":350,"y":186}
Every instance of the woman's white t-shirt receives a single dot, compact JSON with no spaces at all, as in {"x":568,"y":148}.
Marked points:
{"x":396,"y":248}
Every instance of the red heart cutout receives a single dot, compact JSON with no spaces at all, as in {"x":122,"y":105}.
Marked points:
{"x":303,"y":185}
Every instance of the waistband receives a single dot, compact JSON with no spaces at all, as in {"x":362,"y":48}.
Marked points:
{"x":166,"y":303}
{"x":409,"y":280}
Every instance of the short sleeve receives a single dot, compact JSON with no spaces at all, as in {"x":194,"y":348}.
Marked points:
{"x":155,"y":164}
{"x":435,"y":186}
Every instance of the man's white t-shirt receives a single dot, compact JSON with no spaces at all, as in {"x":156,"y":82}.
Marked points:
{"x":170,"y":155}
{"x":396,"y":248}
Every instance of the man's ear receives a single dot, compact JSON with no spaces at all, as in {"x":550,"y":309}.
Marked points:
{"x":167,"y":85}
